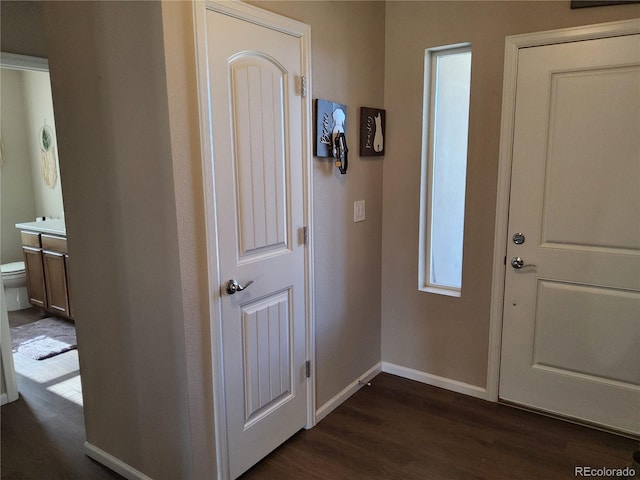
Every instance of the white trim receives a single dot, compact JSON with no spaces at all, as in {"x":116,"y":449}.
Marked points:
{"x":302,"y":31}
{"x":307,"y":171}
{"x":8,"y":368}
{"x":349,"y":390}
{"x":23,"y":62}
{"x":113,"y":463}
{"x":4,"y":399}
{"x":202,"y":73}
{"x":243,"y":11}
{"x":427,"y":165}
{"x":435,"y":380}
{"x":513,"y":44}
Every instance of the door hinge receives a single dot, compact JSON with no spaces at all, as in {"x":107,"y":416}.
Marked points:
{"x":303,"y":86}
{"x":305,"y":235}
{"x":307,"y":368}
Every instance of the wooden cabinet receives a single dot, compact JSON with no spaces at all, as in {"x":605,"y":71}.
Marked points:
{"x":46,"y":260}
{"x":35,"y":276}
{"x":55,"y":259}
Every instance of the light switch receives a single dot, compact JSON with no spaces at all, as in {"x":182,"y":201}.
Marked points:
{"x":358,"y":211}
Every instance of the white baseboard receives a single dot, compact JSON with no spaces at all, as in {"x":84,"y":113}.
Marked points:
{"x":349,"y":390}
{"x":435,"y":380}
{"x":113,"y":463}
{"x":9,"y":397}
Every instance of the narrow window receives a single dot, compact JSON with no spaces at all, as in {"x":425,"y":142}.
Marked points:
{"x":447,"y":81}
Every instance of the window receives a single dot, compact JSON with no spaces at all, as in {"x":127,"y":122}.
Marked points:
{"x":447,"y":81}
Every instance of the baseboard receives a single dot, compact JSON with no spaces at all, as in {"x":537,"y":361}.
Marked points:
{"x":349,"y":390}
{"x":4,"y":399}
{"x":113,"y":463}
{"x":435,"y":380}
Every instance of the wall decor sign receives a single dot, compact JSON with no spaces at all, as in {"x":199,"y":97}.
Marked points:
{"x":48,"y":167}
{"x":331,"y":120}
{"x":372,"y":128}
{"x":599,"y":3}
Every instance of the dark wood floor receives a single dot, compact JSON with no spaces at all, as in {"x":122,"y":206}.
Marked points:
{"x":400,"y":429}
{"x":42,"y":434}
{"x":394,"y":429}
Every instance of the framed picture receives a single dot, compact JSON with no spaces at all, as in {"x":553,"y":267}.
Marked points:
{"x":331,"y":119}
{"x":599,"y":3}
{"x":372,"y":129}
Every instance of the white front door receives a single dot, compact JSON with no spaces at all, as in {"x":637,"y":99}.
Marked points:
{"x":571,"y":325}
{"x":259,"y":159}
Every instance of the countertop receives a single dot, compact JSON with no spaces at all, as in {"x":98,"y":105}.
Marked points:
{"x":54,"y":227}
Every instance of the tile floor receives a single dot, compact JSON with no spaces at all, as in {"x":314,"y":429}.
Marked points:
{"x":59,"y":375}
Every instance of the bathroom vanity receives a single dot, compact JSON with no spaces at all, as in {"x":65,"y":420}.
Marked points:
{"x":46,"y":258}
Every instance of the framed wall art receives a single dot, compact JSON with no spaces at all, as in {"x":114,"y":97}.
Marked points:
{"x":331,"y":120}
{"x":372,"y":130}
{"x":599,"y":3}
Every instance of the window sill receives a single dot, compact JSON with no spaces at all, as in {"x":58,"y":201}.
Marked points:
{"x":449,"y":292}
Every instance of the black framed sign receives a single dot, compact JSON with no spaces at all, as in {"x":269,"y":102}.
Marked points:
{"x":372,"y":129}
{"x":599,"y":3}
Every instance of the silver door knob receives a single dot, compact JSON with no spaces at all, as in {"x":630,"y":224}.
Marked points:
{"x":518,"y":263}
{"x":233,"y":286}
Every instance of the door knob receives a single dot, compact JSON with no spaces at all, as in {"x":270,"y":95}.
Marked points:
{"x":233,"y":286}
{"x":518,"y":263}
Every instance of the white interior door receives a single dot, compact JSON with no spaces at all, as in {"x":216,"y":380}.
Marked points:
{"x":571,"y":325}
{"x":258,"y":156}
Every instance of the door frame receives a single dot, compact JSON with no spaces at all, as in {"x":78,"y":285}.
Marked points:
{"x":302,"y":31}
{"x":513,"y":44}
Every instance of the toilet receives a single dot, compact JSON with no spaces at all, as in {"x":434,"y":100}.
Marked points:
{"x":14,"y":280}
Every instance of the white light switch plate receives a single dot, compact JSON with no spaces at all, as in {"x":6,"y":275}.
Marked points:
{"x":358,"y":211}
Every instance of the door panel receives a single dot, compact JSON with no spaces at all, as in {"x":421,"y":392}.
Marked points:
{"x":603,"y":349}
{"x":55,"y":274}
{"x":266,"y":348}
{"x":581,"y":169}
{"x":571,"y":325}
{"x":258,"y":156}
{"x":34,"y":266}
{"x":258,"y":104}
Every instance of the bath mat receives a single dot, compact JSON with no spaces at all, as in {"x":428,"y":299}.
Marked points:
{"x":44,"y":338}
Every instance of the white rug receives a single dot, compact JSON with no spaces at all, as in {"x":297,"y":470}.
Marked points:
{"x":44,"y":338}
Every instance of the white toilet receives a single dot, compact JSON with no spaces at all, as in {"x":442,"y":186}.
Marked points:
{"x":14,"y":280}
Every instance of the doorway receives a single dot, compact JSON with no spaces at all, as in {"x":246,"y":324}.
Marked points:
{"x":46,"y":360}
{"x":567,"y":227}
{"x":258,"y":178}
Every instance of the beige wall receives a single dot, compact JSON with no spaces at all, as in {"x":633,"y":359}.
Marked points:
{"x":347,"y":42}
{"x":184,"y":124}
{"x":439,"y":335}
{"x":109,"y":87}
{"x":16,"y":189}
{"x":22,"y":28}
{"x":39,"y":111}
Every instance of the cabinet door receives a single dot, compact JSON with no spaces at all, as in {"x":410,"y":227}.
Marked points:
{"x":55,"y":271}
{"x":35,"y":276}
